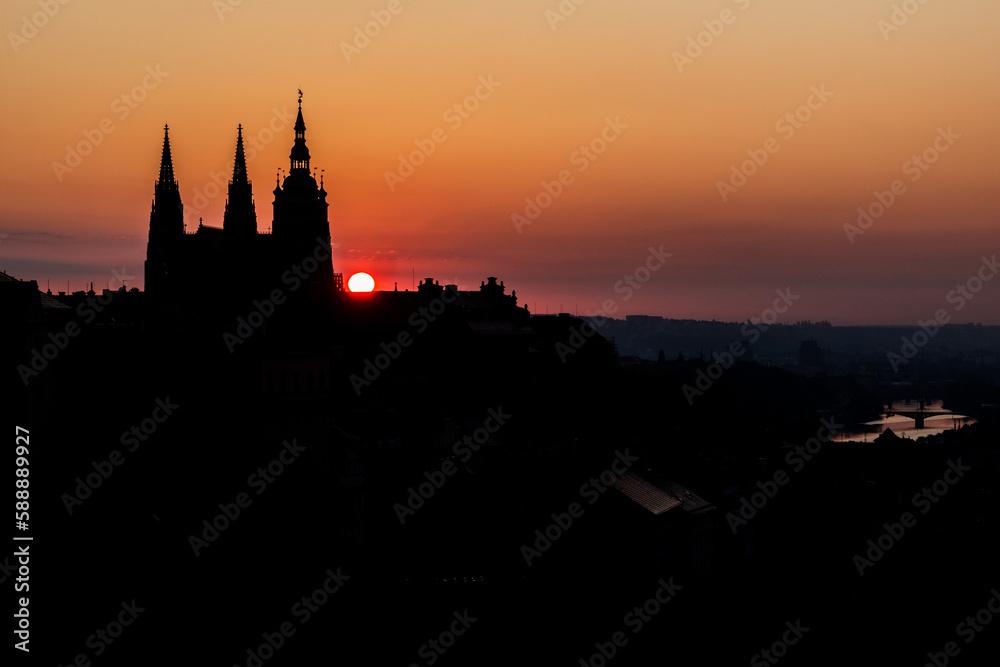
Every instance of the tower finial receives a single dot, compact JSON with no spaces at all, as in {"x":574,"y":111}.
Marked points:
{"x":300,"y":154}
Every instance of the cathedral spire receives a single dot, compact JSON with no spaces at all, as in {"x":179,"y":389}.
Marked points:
{"x":166,"y":223}
{"x":300,"y":209}
{"x":240,"y":163}
{"x":300,"y":154}
{"x":240,"y":217}
{"x":166,"y":164}
{"x":167,"y":210}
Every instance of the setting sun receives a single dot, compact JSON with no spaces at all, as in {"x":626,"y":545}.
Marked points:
{"x":361,"y":282}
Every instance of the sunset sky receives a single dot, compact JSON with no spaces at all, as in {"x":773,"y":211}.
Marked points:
{"x":89,"y":86}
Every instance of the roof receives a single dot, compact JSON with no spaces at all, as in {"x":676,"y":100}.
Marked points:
{"x":658,"y":498}
{"x":50,"y":302}
{"x":28,"y":289}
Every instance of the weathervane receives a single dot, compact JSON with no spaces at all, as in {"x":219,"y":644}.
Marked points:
{"x":300,"y":96}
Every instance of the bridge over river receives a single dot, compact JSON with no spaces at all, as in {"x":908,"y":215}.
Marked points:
{"x":908,"y":419}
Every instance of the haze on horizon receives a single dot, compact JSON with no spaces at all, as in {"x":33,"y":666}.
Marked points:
{"x":880,"y":99}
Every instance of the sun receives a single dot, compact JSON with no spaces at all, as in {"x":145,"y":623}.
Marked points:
{"x":361,"y":282}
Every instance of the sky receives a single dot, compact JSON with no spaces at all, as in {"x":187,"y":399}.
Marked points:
{"x":701,"y":160}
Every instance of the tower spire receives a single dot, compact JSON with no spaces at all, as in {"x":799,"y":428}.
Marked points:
{"x":300,"y":153}
{"x":240,"y":217}
{"x":166,"y":223}
{"x":166,"y":163}
{"x":240,"y":163}
{"x":166,"y":195}
{"x":300,"y":208}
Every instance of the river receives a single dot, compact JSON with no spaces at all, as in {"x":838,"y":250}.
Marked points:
{"x":937,"y":419}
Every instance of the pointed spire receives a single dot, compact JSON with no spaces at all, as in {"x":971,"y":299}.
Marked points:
{"x":300,"y":153}
{"x":166,"y":163}
{"x":166,"y":222}
{"x":240,"y":163}
{"x":240,"y":217}
{"x":300,"y":125}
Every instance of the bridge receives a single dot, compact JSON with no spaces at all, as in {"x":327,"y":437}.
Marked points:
{"x":924,"y":409}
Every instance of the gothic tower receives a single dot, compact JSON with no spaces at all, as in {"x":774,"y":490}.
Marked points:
{"x":300,"y":210}
{"x":166,"y":223}
{"x":240,"y":219}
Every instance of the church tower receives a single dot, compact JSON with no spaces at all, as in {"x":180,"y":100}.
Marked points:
{"x":240,"y":219}
{"x":300,"y":209}
{"x":166,"y":223}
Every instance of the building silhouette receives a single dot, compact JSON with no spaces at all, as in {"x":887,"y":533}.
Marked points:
{"x":238,"y":257}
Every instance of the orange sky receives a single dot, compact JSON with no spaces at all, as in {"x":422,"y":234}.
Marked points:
{"x":682,"y":126}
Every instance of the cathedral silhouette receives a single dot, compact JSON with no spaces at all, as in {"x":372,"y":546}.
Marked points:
{"x":237,"y":257}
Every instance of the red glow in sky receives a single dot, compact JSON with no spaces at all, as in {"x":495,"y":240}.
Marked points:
{"x":816,"y":147}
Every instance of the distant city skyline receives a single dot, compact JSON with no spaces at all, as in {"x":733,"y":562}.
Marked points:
{"x":843,"y":154}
